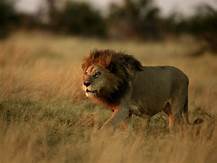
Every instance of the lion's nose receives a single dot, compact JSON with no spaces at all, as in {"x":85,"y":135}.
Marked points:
{"x":87,"y":83}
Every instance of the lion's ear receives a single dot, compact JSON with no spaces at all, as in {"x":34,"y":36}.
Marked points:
{"x":106,"y":60}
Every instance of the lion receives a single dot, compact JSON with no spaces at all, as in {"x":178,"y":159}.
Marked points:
{"x":128,"y":88}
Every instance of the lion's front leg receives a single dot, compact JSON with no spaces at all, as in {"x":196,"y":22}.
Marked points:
{"x":119,"y":115}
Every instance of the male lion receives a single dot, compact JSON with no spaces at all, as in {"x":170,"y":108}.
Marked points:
{"x":126,"y":87}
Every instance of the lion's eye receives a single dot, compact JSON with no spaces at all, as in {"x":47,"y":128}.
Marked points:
{"x":97,"y":74}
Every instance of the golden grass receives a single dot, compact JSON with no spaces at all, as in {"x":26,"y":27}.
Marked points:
{"x":44,"y":116}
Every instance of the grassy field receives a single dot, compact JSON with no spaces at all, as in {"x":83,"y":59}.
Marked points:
{"x":44,"y":116}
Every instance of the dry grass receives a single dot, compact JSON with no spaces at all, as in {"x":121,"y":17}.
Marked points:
{"x":44,"y":116}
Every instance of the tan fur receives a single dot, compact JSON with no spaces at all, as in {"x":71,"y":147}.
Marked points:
{"x":129,"y":88}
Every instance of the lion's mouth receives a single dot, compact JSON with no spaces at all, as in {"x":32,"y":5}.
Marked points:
{"x":91,"y":91}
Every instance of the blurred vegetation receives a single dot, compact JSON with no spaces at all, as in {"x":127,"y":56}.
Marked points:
{"x":80,"y":18}
{"x":202,"y":25}
{"x":140,"y":19}
{"x":8,"y":17}
{"x":135,"y":19}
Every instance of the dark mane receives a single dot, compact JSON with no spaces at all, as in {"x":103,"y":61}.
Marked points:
{"x":118,"y":63}
{"x":107,"y":57}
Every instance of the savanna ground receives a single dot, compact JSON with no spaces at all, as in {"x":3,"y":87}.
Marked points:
{"x":44,"y":116}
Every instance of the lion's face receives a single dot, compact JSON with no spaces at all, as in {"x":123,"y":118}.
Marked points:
{"x":107,"y":75}
{"x":97,"y":79}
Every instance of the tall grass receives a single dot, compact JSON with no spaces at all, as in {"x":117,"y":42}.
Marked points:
{"x":44,"y":116}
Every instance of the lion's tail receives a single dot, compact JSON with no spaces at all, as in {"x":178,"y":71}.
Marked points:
{"x":195,"y":122}
{"x":186,"y":117}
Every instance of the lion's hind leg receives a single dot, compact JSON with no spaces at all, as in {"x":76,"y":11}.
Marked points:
{"x":185,"y":112}
{"x":171,"y":118}
{"x":178,"y":114}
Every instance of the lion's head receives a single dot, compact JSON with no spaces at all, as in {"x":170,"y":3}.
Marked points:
{"x":106,"y":75}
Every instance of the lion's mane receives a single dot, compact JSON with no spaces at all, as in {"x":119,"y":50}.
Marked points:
{"x":121,"y":65}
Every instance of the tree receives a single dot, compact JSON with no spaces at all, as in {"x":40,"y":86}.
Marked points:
{"x":8,"y":17}
{"x":139,"y":18}
{"x":203,"y":26}
{"x":81,"y":19}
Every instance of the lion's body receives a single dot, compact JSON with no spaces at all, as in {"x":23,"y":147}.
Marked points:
{"x":122,"y":83}
{"x":155,"y":87}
